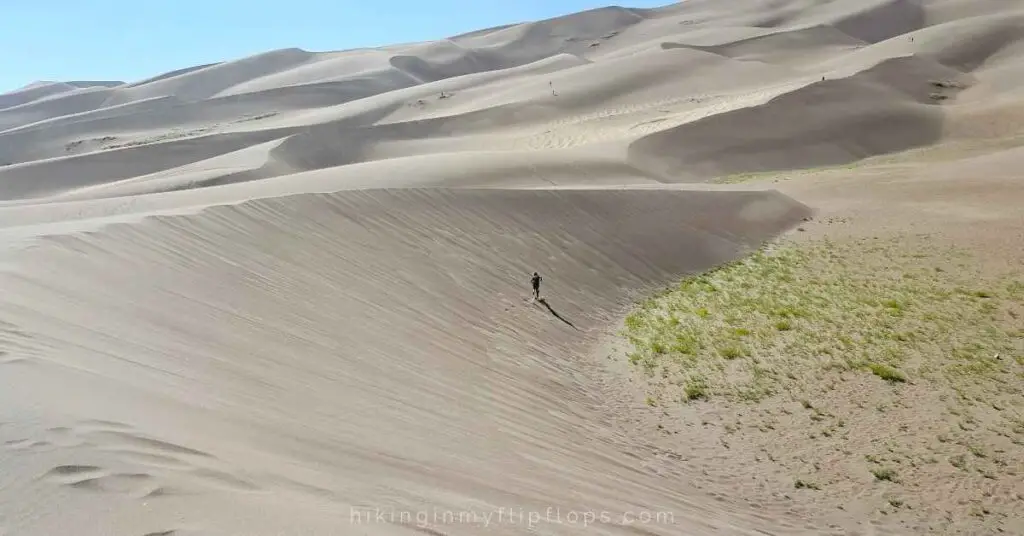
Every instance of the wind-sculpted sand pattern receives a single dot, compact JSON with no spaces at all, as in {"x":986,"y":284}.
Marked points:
{"x":404,"y":313}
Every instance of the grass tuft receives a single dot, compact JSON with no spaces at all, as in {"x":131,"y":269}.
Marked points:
{"x":887,"y":373}
{"x":804,"y":484}
{"x":696,"y":389}
{"x":884,"y":474}
{"x":732,"y":352}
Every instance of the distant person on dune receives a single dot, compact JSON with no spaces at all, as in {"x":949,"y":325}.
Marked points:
{"x":535,"y":280}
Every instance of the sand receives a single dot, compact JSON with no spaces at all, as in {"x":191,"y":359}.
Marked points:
{"x":288,"y":294}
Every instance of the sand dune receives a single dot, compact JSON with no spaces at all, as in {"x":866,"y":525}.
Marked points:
{"x":40,"y":90}
{"x":663,"y":73}
{"x":872,"y":21}
{"x":260,"y":295}
{"x":33,"y":92}
{"x":56,"y":105}
{"x":776,"y":47}
{"x":209,"y":81}
{"x":198,"y":329}
{"x":896,"y":93}
{"x":47,"y":177}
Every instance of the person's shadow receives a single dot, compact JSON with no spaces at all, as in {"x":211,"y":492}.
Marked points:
{"x":544,"y":302}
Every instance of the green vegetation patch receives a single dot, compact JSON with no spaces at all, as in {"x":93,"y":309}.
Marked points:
{"x":781,"y":318}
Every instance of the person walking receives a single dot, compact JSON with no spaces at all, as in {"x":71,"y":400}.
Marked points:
{"x":535,"y":280}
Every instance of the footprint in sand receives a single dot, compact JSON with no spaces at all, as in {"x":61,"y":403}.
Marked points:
{"x":58,"y":436}
{"x":145,"y":443}
{"x":175,"y":532}
{"x":26,"y":444}
{"x":181,"y":470}
{"x":138,"y":484}
{"x":185,"y":461}
{"x":224,"y":480}
{"x":103,"y":425}
{"x":94,"y":478}
{"x":148,"y":458}
{"x":14,"y":339}
{"x":7,"y":359}
{"x":72,"y":474}
{"x":166,"y":491}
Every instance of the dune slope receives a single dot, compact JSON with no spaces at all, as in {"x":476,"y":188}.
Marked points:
{"x":249,"y":366}
{"x":886,"y":108}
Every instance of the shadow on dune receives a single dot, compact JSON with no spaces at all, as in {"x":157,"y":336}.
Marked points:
{"x":883,"y":21}
{"x":544,"y":302}
{"x":885,"y":109}
{"x":771,"y":46}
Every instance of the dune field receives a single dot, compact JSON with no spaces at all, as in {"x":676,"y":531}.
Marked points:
{"x":288,"y":294}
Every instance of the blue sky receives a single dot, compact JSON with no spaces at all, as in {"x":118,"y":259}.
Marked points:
{"x":135,"y":39}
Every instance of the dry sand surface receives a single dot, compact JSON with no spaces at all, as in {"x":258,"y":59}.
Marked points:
{"x":289,"y":294}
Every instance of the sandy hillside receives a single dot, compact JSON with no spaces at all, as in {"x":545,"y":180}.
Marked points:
{"x":289,"y":293}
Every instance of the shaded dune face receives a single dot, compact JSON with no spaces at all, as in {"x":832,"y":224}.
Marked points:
{"x":883,"y":109}
{"x":379,"y":342}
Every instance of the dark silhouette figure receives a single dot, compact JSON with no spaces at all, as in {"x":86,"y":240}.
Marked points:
{"x":535,"y":280}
